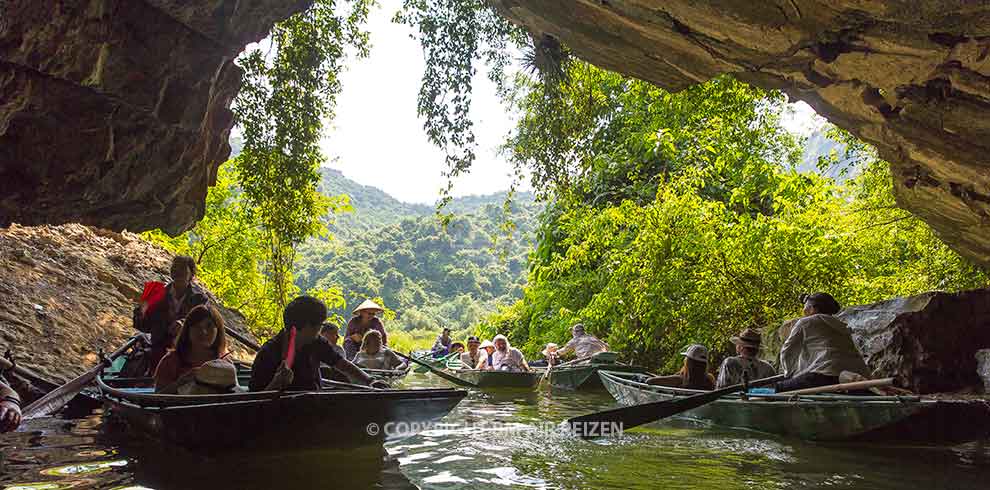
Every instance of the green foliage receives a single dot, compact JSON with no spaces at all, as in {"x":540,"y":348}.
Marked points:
{"x":429,"y":274}
{"x":678,"y":218}
{"x":281,"y":108}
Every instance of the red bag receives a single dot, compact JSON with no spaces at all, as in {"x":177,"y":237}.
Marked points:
{"x":152,"y":297}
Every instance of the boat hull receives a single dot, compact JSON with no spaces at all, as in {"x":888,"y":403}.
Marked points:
{"x":280,"y":421}
{"x":585,"y":376}
{"x":820,"y":418}
{"x":499,"y":379}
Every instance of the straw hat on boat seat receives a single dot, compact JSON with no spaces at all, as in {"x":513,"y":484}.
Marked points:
{"x":368,"y":305}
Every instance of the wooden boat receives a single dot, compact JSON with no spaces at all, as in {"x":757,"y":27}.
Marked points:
{"x":821,"y":417}
{"x":585,"y":376}
{"x":273,"y":420}
{"x":493,"y":379}
{"x":388,"y":375}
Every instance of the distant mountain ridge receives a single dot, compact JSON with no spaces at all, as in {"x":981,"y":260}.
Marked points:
{"x":375,"y":208}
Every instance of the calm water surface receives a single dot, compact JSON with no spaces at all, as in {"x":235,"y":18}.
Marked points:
{"x":491,"y":440}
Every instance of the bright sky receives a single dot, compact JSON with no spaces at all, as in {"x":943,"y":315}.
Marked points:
{"x":378,"y":140}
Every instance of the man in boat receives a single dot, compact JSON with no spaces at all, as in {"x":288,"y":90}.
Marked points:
{"x":472,"y":357}
{"x":10,"y":407}
{"x":506,"y":357}
{"x":331,"y":333}
{"x":442,"y":345}
{"x":162,"y":318}
{"x":694,"y":373}
{"x":583,"y":345}
{"x":365,"y":318}
{"x":745,"y":364}
{"x":271,"y":370}
{"x":819,"y":348}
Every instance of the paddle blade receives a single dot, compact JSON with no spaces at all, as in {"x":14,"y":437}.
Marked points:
{"x":59,"y":397}
{"x":290,"y":353}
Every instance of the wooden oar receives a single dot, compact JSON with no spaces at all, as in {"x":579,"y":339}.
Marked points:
{"x":57,"y":398}
{"x":438,"y":372}
{"x":636,"y":415}
{"x":243,"y":340}
{"x":855,"y":385}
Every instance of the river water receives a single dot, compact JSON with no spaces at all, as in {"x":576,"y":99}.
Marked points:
{"x":491,"y":440}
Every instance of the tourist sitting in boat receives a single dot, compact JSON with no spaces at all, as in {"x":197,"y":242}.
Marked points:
{"x":456,"y":348}
{"x":583,"y":345}
{"x":441,"y":347}
{"x":331,"y":333}
{"x":819,"y":347}
{"x":745,"y":365}
{"x":10,"y":407}
{"x":373,"y":356}
{"x":202,"y":338}
{"x":694,"y":373}
{"x":550,"y":357}
{"x":161,"y":318}
{"x":275,"y":369}
{"x":487,"y":362}
{"x":472,"y":357}
{"x":365,"y":319}
{"x":506,"y":357}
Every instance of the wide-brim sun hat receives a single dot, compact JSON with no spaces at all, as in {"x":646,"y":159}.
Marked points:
{"x":697,"y":352}
{"x":486,"y":344}
{"x":748,"y":338}
{"x":368,"y":305}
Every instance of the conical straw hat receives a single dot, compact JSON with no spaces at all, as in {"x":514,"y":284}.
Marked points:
{"x":368,"y":305}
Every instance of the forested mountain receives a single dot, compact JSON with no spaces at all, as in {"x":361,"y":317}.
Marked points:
{"x":428,"y":274}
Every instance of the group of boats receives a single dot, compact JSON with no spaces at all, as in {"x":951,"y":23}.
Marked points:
{"x":345,"y":414}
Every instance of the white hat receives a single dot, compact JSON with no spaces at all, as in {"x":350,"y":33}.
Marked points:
{"x":368,"y":305}
{"x":500,"y":337}
{"x":487,"y":343}
{"x":697,"y":352}
{"x":546,"y":350}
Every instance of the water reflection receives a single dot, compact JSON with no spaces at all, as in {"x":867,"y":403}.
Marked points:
{"x":499,"y":439}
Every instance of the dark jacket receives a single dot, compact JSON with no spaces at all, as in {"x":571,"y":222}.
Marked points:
{"x":158,"y":321}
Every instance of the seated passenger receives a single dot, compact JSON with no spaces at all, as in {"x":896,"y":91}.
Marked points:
{"x":202,"y":338}
{"x":162,"y":318}
{"x":272,"y":371}
{"x":442,"y":345}
{"x":373,"y":356}
{"x":583,"y":345}
{"x":550,"y":357}
{"x":506,"y":357}
{"x":456,"y":348}
{"x":694,"y":373}
{"x":819,"y":348}
{"x":745,"y":364}
{"x":331,"y":333}
{"x":365,"y":319}
{"x":472,"y":357}
{"x":10,"y":407}
{"x":487,"y":362}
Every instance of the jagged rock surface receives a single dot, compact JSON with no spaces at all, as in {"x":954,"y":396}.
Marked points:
{"x":116,"y":112}
{"x":911,"y":77}
{"x":68,"y":291}
{"x":928,"y":341}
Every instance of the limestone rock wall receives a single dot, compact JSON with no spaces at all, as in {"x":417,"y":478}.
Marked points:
{"x":909,"y":76}
{"x":68,"y":291}
{"x":116,"y":112}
